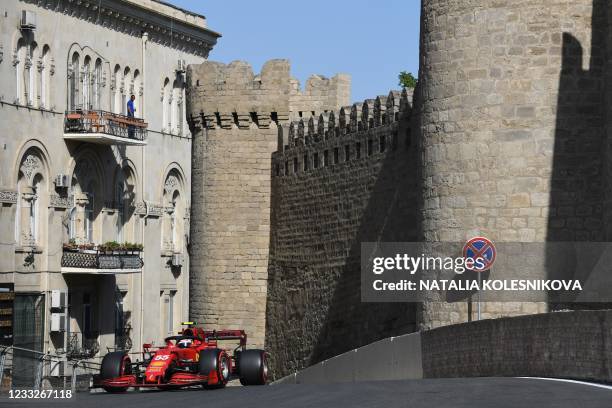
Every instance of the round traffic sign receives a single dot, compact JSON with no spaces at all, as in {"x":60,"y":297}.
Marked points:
{"x":480,"y":248}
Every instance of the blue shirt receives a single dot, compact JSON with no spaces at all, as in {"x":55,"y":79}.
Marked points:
{"x":130,"y":108}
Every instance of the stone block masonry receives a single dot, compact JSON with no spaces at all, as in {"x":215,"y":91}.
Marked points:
{"x":511,"y":106}
{"x":234,"y":115}
{"x":343,"y":178}
{"x":505,"y":90}
{"x":573,"y":344}
{"x":508,"y":138}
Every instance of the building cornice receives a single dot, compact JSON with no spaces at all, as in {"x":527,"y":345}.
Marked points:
{"x":133,"y":20}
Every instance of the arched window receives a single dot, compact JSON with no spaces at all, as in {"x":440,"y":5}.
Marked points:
{"x":45,"y":73}
{"x":32,"y":199}
{"x":174,"y":215}
{"x":117,"y":79}
{"x":181,"y":110}
{"x":72,"y":223}
{"x":124,"y":199}
{"x":177,"y":106}
{"x":177,"y":213}
{"x":120,"y":203}
{"x":31,"y":93}
{"x":19,"y":63}
{"x":90,"y":217}
{"x":174,"y":107}
{"x":166,"y":101}
{"x":126,"y":89}
{"x":86,"y":83}
{"x":97,"y":85}
{"x":85,"y":189}
{"x":137,"y":91}
{"x":37,"y":189}
{"x":73,"y":82}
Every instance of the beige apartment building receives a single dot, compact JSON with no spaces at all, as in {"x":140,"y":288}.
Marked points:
{"x":94,"y":204}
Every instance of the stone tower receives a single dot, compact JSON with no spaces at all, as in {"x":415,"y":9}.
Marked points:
{"x":512,"y":122}
{"x":235,"y":117}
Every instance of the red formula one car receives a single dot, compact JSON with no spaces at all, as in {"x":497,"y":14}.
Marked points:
{"x":191,"y":358}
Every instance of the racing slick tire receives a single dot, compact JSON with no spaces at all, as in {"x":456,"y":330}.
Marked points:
{"x":115,"y":364}
{"x":253,"y":367}
{"x":218,"y":360}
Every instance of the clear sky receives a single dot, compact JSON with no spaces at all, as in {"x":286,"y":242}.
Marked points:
{"x":370,"y":40}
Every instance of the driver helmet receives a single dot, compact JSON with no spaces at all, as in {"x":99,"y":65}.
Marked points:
{"x":184,"y":343}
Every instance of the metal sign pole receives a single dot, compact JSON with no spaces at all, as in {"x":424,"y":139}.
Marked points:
{"x":479,"y":289}
{"x":480,"y":252}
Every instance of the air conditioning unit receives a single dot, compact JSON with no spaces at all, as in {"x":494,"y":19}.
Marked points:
{"x":61,"y":181}
{"x":58,"y":322}
{"x":58,"y":299}
{"x":181,"y":66}
{"x":28,"y":20}
{"x":177,"y":260}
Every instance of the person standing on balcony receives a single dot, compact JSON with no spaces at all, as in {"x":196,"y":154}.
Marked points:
{"x":130,"y":113}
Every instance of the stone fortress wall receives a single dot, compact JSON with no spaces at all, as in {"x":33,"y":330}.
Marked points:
{"x":235,"y":116}
{"x":506,"y":137}
{"x":346,"y":177}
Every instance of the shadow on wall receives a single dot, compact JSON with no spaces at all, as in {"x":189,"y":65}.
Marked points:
{"x":389,"y":216}
{"x":319,"y":220}
{"x":579,"y":207}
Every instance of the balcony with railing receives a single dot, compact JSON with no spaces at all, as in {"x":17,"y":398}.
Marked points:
{"x":96,"y":261}
{"x":123,"y":340}
{"x":102,"y":127}
{"x":82,"y":345}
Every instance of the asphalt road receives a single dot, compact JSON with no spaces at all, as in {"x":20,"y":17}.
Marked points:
{"x":430,"y":393}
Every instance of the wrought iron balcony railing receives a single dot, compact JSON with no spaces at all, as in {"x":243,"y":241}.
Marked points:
{"x":108,"y":262}
{"x":82,"y":345}
{"x":123,"y":341}
{"x":104,"y":127}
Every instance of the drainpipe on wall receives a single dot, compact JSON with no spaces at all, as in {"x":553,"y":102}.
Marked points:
{"x":145,"y":39}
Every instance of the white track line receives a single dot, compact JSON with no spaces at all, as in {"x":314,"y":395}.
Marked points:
{"x":607,"y":387}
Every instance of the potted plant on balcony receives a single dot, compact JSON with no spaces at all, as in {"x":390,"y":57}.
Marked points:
{"x":87,"y":248}
{"x":110,"y":247}
{"x":71,"y":246}
{"x":133,"y":248}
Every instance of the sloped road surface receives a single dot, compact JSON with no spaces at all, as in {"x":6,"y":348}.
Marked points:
{"x":429,"y":393}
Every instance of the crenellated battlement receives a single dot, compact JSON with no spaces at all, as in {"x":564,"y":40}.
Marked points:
{"x":319,"y":94}
{"x":231,"y":95}
{"x":348,"y":120}
{"x":352,"y":132}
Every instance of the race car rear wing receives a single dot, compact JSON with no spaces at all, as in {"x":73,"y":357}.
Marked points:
{"x":214,"y":335}
{"x":226,"y":335}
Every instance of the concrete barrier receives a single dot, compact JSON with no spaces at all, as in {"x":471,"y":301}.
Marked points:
{"x":575,"y":345}
{"x":394,"y":358}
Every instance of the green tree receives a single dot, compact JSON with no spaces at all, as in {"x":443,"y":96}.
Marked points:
{"x":407,"y":80}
